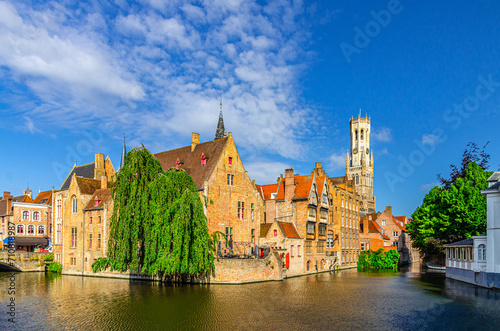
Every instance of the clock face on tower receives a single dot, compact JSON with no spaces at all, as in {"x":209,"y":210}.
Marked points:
{"x":367,"y":152}
{"x":355,"y":151}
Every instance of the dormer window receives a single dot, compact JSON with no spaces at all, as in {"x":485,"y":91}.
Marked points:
{"x":96,"y":201}
{"x":273,"y":195}
{"x":275,"y":233}
{"x":203,"y":160}
{"x":230,"y":161}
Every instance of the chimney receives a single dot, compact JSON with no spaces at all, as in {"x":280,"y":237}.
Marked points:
{"x":318,"y":165}
{"x":388,"y":210}
{"x":289,"y":184}
{"x":6,"y":195}
{"x":99,"y":166}
{"x":104,"y":182}
{"x":195,"y":140}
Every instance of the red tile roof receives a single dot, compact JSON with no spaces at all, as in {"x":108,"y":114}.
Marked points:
{"x":281,"y":190}
{"x":266,"y":190}
{"x":87,"y":185}
{"x":399,"y":223}
{"x":320,"y":181}
{"x":303,"y":187}
{"x":102,"y":195}
{"x":264,"y":229}
{"x":44,"y":198}
{"x":23,"y":198}
{"x":373,"y":227}
{"x":289,"y":230}
{"x":191,"y":160}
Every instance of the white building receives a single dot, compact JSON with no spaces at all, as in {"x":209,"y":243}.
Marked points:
{"x":477,"y":260}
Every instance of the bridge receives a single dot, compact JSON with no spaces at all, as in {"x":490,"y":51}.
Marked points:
{"x":21,"y":261}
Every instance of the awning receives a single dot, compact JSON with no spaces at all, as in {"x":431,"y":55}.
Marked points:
{"x":28,"y":241}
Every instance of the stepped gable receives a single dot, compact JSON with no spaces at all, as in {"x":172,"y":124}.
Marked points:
{"x":190,"y":160}
{"x":84,"y":170}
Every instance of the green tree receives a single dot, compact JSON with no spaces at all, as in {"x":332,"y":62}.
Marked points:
{"x":455,"y":211}
{"x":378,"y":260}
{"x":158,"y":224}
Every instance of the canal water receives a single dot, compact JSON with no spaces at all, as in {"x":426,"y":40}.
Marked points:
{"x":346,"y":300}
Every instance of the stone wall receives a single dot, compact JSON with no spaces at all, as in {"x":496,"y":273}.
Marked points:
{"x":23,"y":261}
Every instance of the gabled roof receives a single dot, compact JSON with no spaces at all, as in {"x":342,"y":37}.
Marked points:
{"x":303,"y":188}
{"x":320,"y":181}
{"x":44,"y":198}
{"x":373,"y":227}
{"x":23,"y":198}
{"x":266,"y":190}
{"x":3,"y":208}
{"x":264,"y":229}
{"x":289,"y":230}
{"x":399,"y":223}
{"x":102,"y":195}
{"x":87,"y":185}
{"x":191,"y":160}
{"x":84,"y":170}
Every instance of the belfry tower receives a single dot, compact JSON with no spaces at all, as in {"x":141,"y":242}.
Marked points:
{"x":359,"y":164}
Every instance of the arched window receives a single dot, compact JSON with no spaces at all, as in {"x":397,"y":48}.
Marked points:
{"x":20,"y":229}
{"x":26,"y":215}
{"x":41,"y":229}
{"x":481,"y":252}
{"x":31,"y":229}
{"x":36,"y":216}
{"x":362,"y":134}
{"x":59,"y":207}
{"x":308,"y":265}
{"x":75,"y":205}
{"x":356,"y":134}
{"x":357,"y":179}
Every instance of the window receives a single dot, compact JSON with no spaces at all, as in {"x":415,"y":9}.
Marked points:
{"x":75,"y":208}
{"x":361,"y":134}
{"x":394,"y":233}
{"x":320,"y":247}
{"x":312,"y":212}
{"x":356,"y":134}
{"x":58,"y":234}
{"x":323,"y":214}
{"x":329,"y":241}
{"x":50,"y":230}
{"x":58,"y":257}
{"x":252,"y":234}
{"x":230,"y":161}
{"x":229,"y":232}
{"x":73,"y":237}
{"x":481,"y":252}
{"x":310,"y":228}
{"x":31,"y":229}
{"x":241,"y":210}
{"x":59,"y":207}
{"x":383,"y":223}
{"x":291,"y":250}
{"x":251,"y":211}
{"x":99,"y":241}
{"x":357,"y":180}
{"x":41,"y":229}
{"x":73,"y":261}
{"x":20,"y":229}
{"x":308,"y":247}
{"x":275,"y":233}
{"x":298,"y":250}
{"x":90,"y":220}
{"x":99,"y":219}
{"x":90,"y":241}
{"x":230,"y":180}
{"x":362,"y":246}
{"x":322,"y":229}
{"x":36,"y":216}
{"x":26,"y":215}
{"x":395,"y":243}
{"x":325,"y":198}
{"x":203,"y":159}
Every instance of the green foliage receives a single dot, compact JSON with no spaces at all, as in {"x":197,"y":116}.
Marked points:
{"x":48,"y":257}
{"x":55,"y":267}
{"x":158,"y":224}
{"x":378,"y":260}
{"x":452,"y":213}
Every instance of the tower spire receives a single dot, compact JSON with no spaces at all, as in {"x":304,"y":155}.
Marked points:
{"x":220,"y":132}
{"x":124,"y":152}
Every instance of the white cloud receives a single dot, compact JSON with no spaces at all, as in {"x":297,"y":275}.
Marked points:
{"x":431,"y":139}
{"x":382,"y":134}
{"x":265,"y":172}
{"x":337,"y":161}
{"x":29,"y":125}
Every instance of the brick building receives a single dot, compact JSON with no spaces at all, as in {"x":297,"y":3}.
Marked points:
{"x":346,"y":214}
{"x":31,"y":219}
{"x":384,"y":230}
{"x":233,"y":204}
{"x":298,"y":220}
{"x":71,"y":202}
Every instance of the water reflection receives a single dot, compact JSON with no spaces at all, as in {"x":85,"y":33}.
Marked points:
{"x":409,"y":299}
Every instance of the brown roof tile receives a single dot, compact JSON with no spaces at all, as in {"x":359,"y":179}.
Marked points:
{"x":289,"y":230}
{"x":3,"y":208}
{"x":264,"y":229}
{"x":102,"y":195}
{"x":303,"y":186}
{"x":87,"y":185}
{"x":44,"y":198}
{"x":191,"y":160}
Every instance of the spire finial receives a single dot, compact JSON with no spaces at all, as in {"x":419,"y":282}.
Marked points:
{"x":359,"y":116}
{"x":220,"y":132}
{"x":221,"y":103}
{"x":75,"y":162}
{"x":124,"y":152}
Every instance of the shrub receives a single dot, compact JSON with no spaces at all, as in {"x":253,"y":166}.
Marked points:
{"x":378,"y":260}
{"x":55,"y":267}
{"x":48,"y":257}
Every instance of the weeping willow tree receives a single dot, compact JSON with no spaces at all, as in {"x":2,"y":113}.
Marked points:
{"x":158,"y":224}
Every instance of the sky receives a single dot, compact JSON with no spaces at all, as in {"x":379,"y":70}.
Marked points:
{"x":76,"y":76}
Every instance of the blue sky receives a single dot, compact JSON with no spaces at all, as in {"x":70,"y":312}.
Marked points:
{"x":74,"y":75}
